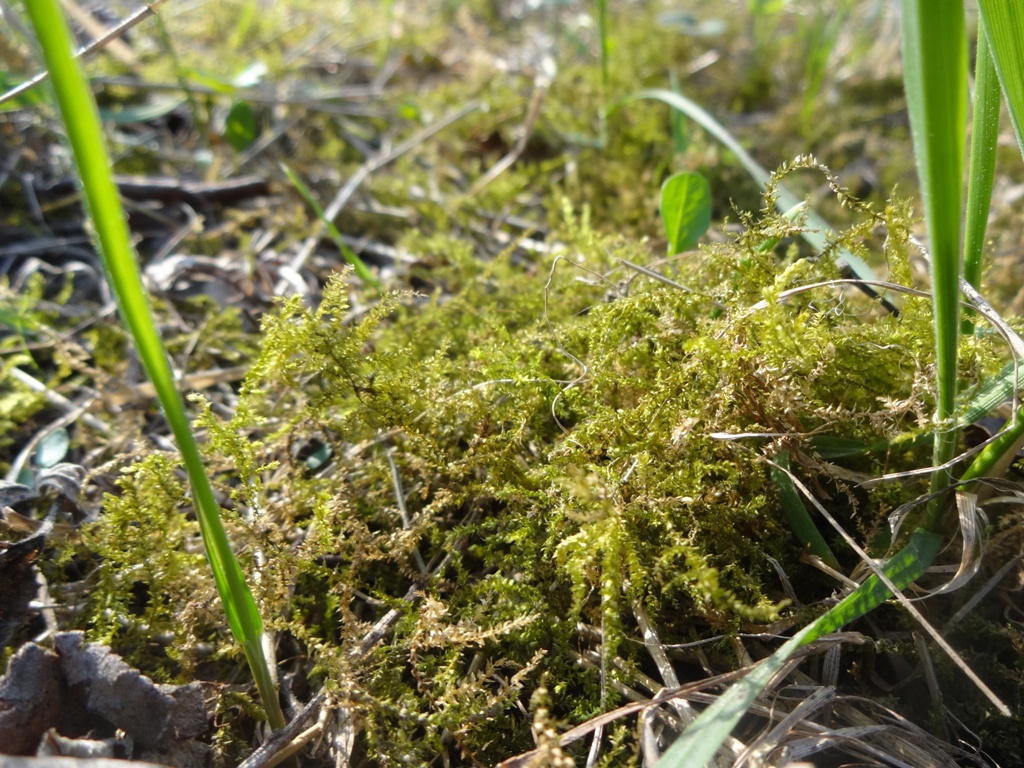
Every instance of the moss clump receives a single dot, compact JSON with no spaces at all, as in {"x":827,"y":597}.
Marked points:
{"x":27,"y":317}
{"x":565,"y":444}
{"x":150,"y":583}
{"x":18,"y":403}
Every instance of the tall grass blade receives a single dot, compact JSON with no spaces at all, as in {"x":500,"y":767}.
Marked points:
{"x":357,"y":263}
{"x":984,"y":132}
{"x":820,"y":33}
{"x":1004,"y":25}
{"x":818,"y":230}
{"x":708,"y":732}
{"x":601,"y":10}
{"x":81,"y":118}
{"x":796,"y":514}
{"x":602,"y":33}
{"x":679,"y":138}
{"x":199,"y":117}
{"x":935,"y":81}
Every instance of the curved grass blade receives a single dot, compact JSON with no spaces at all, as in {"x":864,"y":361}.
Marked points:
{"x":358,"y":264}
{"x":819,"y":230}
{"x":78,"y":109}
{"x":795,"y":213}
{"x":701,"y":740}
{"x":992,"y":393}
{"x":1004,"y":25}
{"x":796,"y":513}
{"x":996,"y":457}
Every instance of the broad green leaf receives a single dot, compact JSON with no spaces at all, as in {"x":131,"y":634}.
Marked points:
{"x":701,"y":740}
{"x":818,"y":232}
{"x":240,"y":128}
{"x":1004,"y":25}
{"x":685,"y":210}
{"x":935,"y":81}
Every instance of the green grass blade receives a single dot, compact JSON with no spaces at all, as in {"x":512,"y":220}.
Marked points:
{"x":199,"y":119}
{"x":699,"y":743}
{"x":992,"y":393}
{"x":996,"y":457}
{"x":81,"y":119}
{"x":601,"y":11}
{"x":799,"y":520}
{"x":819,"y":230}
{"x":793,"y":214}
{"x":358,"y":264}
{"x":1004,"y":25}
{"x":935,"y":81}
{"x":819,"y":36}
{"x":679,"y":139}
{"x":984,"y":133}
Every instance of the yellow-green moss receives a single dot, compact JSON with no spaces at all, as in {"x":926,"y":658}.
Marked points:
{"x":564,"y":446}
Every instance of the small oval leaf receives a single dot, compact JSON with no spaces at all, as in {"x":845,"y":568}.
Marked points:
{"x":240,"y":127}
{"x":685,"y":210}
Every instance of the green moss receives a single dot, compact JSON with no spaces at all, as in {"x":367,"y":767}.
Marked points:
{"x":220,"y":338}
{"x":18,"y":403}
{"x":26,"y":318}
{"x":565,"y":448}
{"x":150,"y":580}
{"x":108,"y":346}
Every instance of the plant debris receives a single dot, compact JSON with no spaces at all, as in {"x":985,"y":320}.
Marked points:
{"x":50,"y":698}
